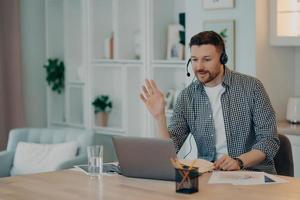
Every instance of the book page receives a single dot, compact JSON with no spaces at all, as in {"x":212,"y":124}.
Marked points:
{"x":202,"y":165}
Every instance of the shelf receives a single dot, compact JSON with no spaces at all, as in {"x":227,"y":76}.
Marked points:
{"x":75,"y":83}
{"x":164,"y":62}
{"x":289,"y":11}
{"x":110,"y":47}
{"x":114,"y":61}
{"x":116,"y":65}
{"x":109,"y":130}
{"x":180,"y":66}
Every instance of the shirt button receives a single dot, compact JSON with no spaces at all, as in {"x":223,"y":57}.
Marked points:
{"x":209,"y":116}
{"x":212,"y":135}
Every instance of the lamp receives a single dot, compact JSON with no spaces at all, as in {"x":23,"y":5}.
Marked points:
{"x":293,"y":110}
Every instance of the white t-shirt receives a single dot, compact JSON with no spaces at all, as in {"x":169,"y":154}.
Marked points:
{"x":214,"y":95}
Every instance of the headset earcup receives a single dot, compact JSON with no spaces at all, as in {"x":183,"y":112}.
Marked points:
{"x":223,"y":58}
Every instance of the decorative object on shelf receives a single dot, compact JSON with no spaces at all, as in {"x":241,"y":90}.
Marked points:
{"x":102,"y":106}
{"x":175,"y":50}
{"x":109,"y":47}
{"x":55,"y":77}
{"x":217,"y":4}
{"x":226,"y":29}
{"x":293,"y":110}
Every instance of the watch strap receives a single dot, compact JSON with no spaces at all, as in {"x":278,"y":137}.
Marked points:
{"x":240,"y":163}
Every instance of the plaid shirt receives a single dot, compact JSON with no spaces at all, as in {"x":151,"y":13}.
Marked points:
{"x":249,"y":119}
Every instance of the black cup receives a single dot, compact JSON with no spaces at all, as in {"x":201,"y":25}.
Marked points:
{"x":187,"y":180}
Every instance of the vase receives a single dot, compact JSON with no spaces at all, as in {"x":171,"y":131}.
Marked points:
{"x":102,"y":118}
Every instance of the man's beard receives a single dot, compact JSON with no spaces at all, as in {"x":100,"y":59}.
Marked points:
{"x":208,"y":79}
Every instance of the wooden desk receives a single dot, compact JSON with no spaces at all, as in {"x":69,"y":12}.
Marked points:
{"x":72,"y":185}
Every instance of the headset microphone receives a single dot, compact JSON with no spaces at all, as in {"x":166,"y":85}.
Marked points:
{"x":187,"y":70}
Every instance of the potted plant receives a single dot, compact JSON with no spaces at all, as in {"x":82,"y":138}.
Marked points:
{"x":102,"y":106}
{"x":55,"y":77}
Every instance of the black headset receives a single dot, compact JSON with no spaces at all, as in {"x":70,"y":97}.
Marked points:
{"x":223,"y":57}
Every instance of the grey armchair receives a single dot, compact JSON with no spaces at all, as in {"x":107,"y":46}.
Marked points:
{"x":46,"y":136}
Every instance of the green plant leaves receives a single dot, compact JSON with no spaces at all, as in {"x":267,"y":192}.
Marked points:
{"x":55,"y":74}
{"x":102,"y":103}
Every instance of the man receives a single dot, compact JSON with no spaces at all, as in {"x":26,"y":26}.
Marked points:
{"x":228,"y":113}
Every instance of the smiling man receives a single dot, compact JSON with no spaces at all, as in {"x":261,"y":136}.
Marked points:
{"x":229,"y":114}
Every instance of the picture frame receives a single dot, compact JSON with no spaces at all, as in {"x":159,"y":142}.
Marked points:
{"x":225,"y":28}
{"x":217,"y":4}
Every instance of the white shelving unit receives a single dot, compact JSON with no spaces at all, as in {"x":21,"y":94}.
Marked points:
{"x":285,"y":22}
{"x":79,"y":32}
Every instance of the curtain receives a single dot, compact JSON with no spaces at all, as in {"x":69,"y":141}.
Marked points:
{"x":11,"y":98}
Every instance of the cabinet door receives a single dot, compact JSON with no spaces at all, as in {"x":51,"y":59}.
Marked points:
{"x":54,"y":24}
{"x":109,"y":80}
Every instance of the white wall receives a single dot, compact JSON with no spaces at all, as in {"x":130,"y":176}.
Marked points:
{"x":297,"y":72}
{"x":274,"y":65}
{"x":244,"y":16}
{"x":33,"y":58}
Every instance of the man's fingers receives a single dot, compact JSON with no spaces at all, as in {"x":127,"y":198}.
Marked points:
{"x":146,"y":93}
{"x":219,"y":162}
{"x":153,"y":84}
{"x":143,"y":98}
{"x":149,"y":87}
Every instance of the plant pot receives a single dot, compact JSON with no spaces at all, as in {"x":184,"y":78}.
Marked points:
{"x":102,"y":118}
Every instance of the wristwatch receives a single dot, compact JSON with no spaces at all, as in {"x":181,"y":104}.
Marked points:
{"x":240,"y":163}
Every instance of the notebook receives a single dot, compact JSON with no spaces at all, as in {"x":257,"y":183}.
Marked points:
{"x":145,"y":157}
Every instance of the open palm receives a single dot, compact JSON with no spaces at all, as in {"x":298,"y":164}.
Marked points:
{"x":153,"y":98}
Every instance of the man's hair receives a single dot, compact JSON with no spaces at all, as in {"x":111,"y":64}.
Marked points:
{"x":208,"y":37}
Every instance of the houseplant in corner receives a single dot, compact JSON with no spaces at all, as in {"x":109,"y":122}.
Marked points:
{"x":102,"y":106}
{"x":55,"y":77}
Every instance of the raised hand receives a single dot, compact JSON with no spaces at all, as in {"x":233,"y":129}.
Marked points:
{"x":153,"y":98}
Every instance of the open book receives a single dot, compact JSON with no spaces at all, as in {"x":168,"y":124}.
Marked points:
{"x":202,"y":165}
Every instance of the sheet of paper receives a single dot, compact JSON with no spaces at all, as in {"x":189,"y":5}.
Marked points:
{"x":203,"y":165}
{"x":237,"y":177}
{"x":244,"y":178}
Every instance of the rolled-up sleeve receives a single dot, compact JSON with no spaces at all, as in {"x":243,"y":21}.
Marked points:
{"x":178,"y":126}
{"x":264,"y":120}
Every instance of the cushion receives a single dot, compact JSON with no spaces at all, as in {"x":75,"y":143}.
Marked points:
{"x":34,"y":158}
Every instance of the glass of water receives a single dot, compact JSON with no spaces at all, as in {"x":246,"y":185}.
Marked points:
{"x":95,"y":160}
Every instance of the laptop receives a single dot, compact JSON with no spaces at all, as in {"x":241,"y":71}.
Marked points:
{"x":145,"y":157}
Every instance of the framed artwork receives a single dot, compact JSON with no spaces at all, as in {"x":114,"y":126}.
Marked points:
{"x":225,"y":28}
{"x":217,"y":4}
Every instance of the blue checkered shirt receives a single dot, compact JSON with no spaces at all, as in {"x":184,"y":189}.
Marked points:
{"x":249,"y":119}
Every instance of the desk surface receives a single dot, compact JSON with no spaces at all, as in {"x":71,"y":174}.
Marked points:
{"x":72,"y":185}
